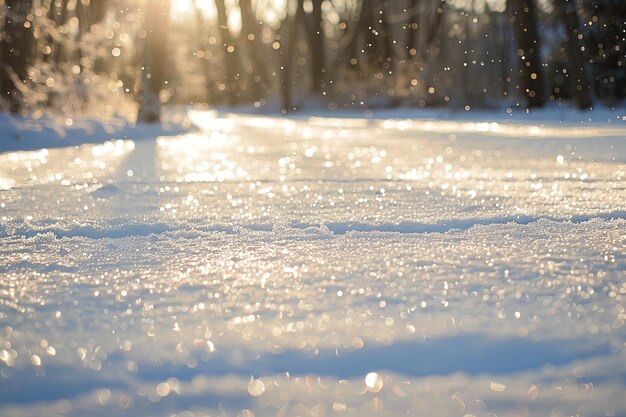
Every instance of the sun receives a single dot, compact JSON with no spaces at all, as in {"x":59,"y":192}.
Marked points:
{"x":181,"y":10}
{"x":181,"y":7}
{"x":186,"y":7}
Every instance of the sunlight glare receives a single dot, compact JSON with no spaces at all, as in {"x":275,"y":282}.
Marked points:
{"x":184,"y":8}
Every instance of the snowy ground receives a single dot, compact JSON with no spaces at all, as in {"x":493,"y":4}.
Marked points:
{"x":318,"y":267}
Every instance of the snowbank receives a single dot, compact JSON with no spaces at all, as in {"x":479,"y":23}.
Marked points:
{"x":54,"y":131}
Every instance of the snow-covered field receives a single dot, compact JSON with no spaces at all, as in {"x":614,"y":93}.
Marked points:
{"x":318,"y":267}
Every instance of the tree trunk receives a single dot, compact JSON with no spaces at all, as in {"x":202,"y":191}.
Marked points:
{"x":16,"y":46}
{"x":252,"y":41}
{"x":206,"y":65}
{"x":228,"y":45}
{"x":288,"y":47}
{"x":318,"y":69}
{"x":385,"y":50}
{"x":289,"y":54}
{"x":524,"y":21}
{"x":351,"y":50}
{"x":371,"y":38}
{"x":411,"y":30}
{"x":578,"y":76}
{"x":153,"y":73}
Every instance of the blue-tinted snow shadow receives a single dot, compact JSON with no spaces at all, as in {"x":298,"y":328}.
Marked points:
{"x":71,"y":383}
{"x":340,"y":228}
{"x":23,"y":387}
{"x":469,"y":354}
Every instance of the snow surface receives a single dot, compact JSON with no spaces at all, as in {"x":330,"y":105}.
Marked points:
{"x":315,"y":267}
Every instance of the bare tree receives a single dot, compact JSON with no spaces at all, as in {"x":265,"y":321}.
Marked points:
{"x":228,"y":47}
{"x":575,"y":51}
{"x":411,"y":26}
{"x":251,"y":43}
{"x":524,"y":21}
{"x":152,"y":75}
{"x":318,"y":60}
{"x":203,"y":44}
{"x":293,"y":24}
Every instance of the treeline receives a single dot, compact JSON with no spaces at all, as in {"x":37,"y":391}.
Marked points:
{"x":462,"y":53}
{"x":69,"y":55}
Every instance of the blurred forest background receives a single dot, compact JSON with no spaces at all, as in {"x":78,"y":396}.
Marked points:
{"x":127,"y":56}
